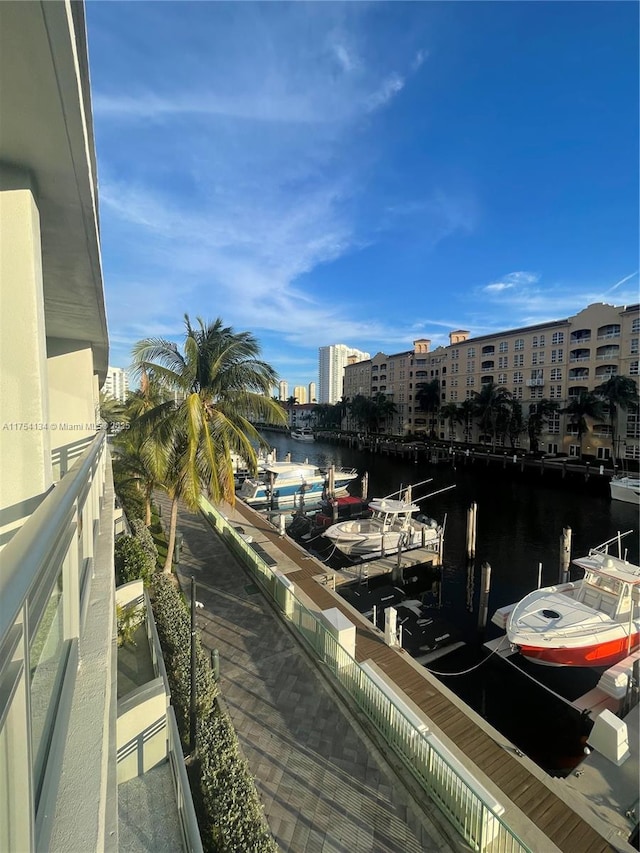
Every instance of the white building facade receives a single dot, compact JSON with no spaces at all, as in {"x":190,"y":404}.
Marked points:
{"x":332,"y":361}
{"x":116,"y":384}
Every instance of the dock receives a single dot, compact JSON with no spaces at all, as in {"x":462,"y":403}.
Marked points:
{"x":547,"y":813}
{"x":416,"y":558}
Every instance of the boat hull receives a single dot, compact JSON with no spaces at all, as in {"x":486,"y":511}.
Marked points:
{"x":603,"y":654}
{"x":625,"y":489}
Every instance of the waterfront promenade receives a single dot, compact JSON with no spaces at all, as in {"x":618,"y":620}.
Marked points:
{"x":324,"y":784}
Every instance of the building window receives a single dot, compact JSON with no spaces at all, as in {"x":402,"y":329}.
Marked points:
{"x":471,"y":366}
{"x":453,"y":395}
{"x":632,"y":451}
{"x":556,"y":355}
{"x":517,"y":376}
{"x":635,"y":326}
{"x":454,"y":368}
{"x":517,"y":392}
{"x":536,"y":393}
{"x":574,"y":450}
{"x":556,"y":374}
{"x":555,"y":392}
{"x":471,"y":352}
{"x":633,"y":425}
{"x":471,"y":380}
{"x":455,"y":353}
{"x":634,"y":346}
{"x":541,"y":340}
{"x":534,"y":358}
{"x":553,"y":424}
{"x":557,"y":338}
{"x":518,"y":360}
{"x":541,"y":356}
{"x":503,"y":361}
{"x":519,"y":344}
{"x":633,"y":368}
{"x":534,"y":341}
{"x":503,"y":346}
{"x":502,"y":379}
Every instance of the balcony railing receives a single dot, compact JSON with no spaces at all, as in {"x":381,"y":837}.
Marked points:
{"x":608,"y":336}
{"x":574,"y":358}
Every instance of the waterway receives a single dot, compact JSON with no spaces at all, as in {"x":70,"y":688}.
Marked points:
{"x":520,"y":520}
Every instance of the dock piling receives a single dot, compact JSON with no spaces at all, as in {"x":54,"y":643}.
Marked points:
{"x":471,"y":530}
{"x":485,"y":586}
{"x":565,"y":555}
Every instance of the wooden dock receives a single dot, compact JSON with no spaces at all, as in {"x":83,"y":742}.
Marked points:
{"x":534,"y":803}
{"x":416,"y":558}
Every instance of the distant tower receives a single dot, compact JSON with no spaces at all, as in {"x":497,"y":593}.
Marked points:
{"x":300,"y":393}
{"x":116,"y":384}
{"x":313,"y":397}
{"x":331,"y":363}
{"x":283,"y":391}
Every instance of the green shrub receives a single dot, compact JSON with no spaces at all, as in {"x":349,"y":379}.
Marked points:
{"x":143,"y":535}
{"x":131,"y":499}
{"x":131,"y":560}
{"x":232,"y":819}
{"x":173,"y":622}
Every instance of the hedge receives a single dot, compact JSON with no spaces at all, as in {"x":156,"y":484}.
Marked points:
{"x":232,"y":820}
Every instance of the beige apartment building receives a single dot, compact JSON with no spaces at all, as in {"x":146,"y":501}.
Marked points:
{"x":556,"y":361}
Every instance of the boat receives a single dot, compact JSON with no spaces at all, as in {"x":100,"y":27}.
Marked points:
{"x":302,"y":434}
{"x":591,"y":622}
{"x":288,"y":484}
{"x":625,"y":489}
{"x":390,"y":527}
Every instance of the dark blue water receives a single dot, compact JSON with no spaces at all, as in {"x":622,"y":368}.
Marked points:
{"x":520,"y":522}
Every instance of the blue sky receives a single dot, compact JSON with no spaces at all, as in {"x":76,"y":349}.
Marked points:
{"x":363,"y":173}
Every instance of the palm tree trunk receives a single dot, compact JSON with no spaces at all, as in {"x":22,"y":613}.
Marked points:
{"x":173,"y":523}
{"x":147,"y":508}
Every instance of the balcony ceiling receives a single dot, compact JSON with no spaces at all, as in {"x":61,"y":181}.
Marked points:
{"x":47,"y":131}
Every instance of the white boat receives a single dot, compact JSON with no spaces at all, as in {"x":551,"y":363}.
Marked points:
{"x":391,"y":526}
{"x":625,"y":489}
{"x":302,"y":434}
{"x":591,"y":622}
{"x":284,"y":483}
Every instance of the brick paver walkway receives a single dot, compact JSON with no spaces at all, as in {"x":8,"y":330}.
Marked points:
{"x":324,"y":785}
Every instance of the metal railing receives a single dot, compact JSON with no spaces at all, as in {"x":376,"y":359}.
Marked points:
{"x":437,"y":771}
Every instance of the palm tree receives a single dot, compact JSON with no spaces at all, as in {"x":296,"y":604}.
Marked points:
{"x":511,"y":422}
{"x":467,"y":412}
{"x":490,"y":405}
{"x":428,"y":398}
{"x":382,"y":409}
{"x":224,"y":387}
{"x":453,"y":414}
{"x":539,"y":414}
{"x":132,"y":463}
{"x":618,"y":392}
{"x":585,"y":405}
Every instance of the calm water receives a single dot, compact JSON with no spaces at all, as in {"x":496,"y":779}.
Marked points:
{"x":520,"y":521}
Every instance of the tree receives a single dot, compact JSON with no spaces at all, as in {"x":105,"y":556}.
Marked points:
{"x":428,"y":398}
{"x":224,"y":386}
{"x":382,"y":409}
{"x":453,"y":415}
{"x":511,"y":422}
{"x":491,"y":406}
{"x":585,"y":405}
{"x":467,"y":413}
{"x":539,"y":414}
{"x":618,"y":392}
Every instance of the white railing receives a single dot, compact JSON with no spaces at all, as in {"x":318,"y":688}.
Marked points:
{"x":444,"y":779}
{"x":574,"y":358}
{"x":608,"y":336}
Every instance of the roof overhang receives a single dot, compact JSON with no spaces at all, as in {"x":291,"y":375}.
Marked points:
{"x":46,"y":143}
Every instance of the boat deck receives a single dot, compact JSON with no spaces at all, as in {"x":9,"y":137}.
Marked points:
{"x":534,"y":803}
{"x":388,"y":565}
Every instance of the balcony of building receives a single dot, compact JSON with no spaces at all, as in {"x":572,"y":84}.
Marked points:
{"x":606,"y":371}
{"x":488,"y":350}
{"x":609,"y":352}
{"x":487,"y":365}
{"x":576,"y":391}
{"x":611,"y":330}
{"x":580,"y":336}
{"x":578,"y":374}
{"x":580,"y":355}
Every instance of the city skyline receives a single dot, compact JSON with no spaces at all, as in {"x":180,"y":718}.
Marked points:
{"x":375,"y":173}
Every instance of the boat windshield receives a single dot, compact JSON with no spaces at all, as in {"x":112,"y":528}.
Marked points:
{"x":604,"y":583}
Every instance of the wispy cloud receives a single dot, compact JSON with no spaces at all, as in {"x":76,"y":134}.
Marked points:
{"x":621,"y":282}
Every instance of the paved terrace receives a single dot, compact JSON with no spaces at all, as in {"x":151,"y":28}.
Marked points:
{"x":324,"y":784}
{"x":542,"y":811}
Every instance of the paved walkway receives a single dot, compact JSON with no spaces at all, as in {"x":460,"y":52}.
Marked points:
{"x":324,"y":785}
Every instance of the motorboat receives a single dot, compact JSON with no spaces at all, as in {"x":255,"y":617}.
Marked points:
{"x":390,"y":527}
{"x":591,"y":622}
{"x":289,"y":484}
{"x":302,"y":434}
{"x":625,"y":489}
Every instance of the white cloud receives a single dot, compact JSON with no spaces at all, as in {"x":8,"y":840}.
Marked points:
{"x":497,"y":288}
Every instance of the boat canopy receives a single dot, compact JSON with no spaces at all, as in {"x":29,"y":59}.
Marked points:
{"x":393,"y":507}
{"x":611,"y":567}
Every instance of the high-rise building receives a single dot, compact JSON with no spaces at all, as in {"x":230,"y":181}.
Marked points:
{"x":332,"y":361}
{"x":283,"y":390}
{"x":313,"y":396}
{"x":116,"y":384}
{"x":300,"y":393}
